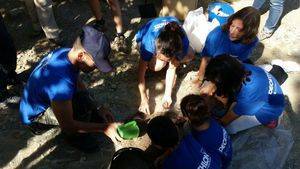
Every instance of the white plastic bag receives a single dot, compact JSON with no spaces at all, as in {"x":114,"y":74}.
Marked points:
{"x":197,"y":27}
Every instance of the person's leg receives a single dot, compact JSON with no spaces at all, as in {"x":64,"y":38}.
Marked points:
{"x":83,"y":106}
{"x":47,"y":19}
{"x":116,"y":11}
{"x":95,"y":7}
{"x":156,"y":65}
{"x":100,"y":21}
{"x":119,"y":43}
{"x":276,"y":9}
{"x":31,"y":9}
{"x":242,"y":123}
{"x":258,"y":4}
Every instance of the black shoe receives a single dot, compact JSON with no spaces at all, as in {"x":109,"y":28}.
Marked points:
{"x":58,"y":41}
{"x":100,"y":25}
{"x":120,"y":44}
{"x":279,"y":74}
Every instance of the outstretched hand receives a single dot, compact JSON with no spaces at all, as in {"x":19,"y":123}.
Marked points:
{"x":111,"y":132}
{"x":166,"y":102}
{"x":197,"y":79}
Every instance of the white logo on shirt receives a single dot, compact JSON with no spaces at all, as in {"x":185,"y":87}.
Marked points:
{"x":271,"y":84}
{"x":224,"y":141}
{"x":217,"y":10}
{"x":205,"y":163}
{"x":160,"y":25}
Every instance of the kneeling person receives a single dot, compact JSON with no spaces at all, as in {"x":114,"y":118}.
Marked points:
{"x":55,"y":81}
{"x":161,"y":41}
{"x":252,"y":95}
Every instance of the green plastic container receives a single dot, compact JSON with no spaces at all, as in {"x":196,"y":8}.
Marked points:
{"x":129,"y":130}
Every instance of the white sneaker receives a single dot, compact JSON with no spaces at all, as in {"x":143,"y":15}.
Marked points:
{"x":264,"y":34}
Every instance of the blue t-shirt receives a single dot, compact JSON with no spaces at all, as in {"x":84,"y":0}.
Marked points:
{"x":149,"y":32}
{"x":218,"y":42}
{"x":261,"y":96}
{"x":190,"y":154}
{"x":54,"y":79}
{"x":215,"y":139}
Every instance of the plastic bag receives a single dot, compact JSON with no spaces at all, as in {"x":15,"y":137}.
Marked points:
{"x":197,"y":27}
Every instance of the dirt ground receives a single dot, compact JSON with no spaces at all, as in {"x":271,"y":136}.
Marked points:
{"x":118,"y":90}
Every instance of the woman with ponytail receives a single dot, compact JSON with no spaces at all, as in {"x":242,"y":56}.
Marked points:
{"x":161,"y":41}
{"x":202,"y":112}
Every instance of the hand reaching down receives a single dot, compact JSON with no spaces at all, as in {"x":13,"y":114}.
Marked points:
{"x":144,"y":107}
{"x":166,"y":102}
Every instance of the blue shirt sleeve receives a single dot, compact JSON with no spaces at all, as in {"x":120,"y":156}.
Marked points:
{"x":211,"y":43}
{"x":247,"y":107}
{"x":146,"y":52}
{"x":61,"y":91}
{"x":186,"y":43}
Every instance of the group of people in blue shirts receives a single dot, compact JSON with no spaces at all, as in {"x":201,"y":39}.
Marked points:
{"x":235,"y":94}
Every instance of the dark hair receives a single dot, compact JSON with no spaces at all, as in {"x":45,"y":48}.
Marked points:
{"x":130,"y":158}
{"x":169,"y":40}
{"x":163,"y":132}
{"x":227,"y":73}
{"x":251,"y":19}
{"x":197,"y":108}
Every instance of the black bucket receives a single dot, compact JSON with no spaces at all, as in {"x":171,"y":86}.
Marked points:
{"x":279,"y":74}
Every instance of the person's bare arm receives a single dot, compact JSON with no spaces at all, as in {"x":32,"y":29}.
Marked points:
{"x":64,"y":113}
{"x":201,"y":71}
{"x":116,"y":12}
{"x":95,"y":7}
{"x":144,"y":106}
{"x":170,"y":82}
{"x":229,"y":117}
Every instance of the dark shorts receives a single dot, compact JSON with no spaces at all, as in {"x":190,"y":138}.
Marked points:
{"x":85,"y":109}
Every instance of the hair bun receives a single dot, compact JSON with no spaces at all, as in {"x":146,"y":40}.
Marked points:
{"x":174,"y":27}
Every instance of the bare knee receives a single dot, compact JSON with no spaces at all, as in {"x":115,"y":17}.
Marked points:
{"x":158,"y":65}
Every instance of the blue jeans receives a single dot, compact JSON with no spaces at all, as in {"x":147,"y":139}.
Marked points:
{"x":276,"y":8}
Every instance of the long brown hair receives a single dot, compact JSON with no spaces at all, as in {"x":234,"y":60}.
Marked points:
{"x":251,"y":19}
{"x":197,"y":108}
